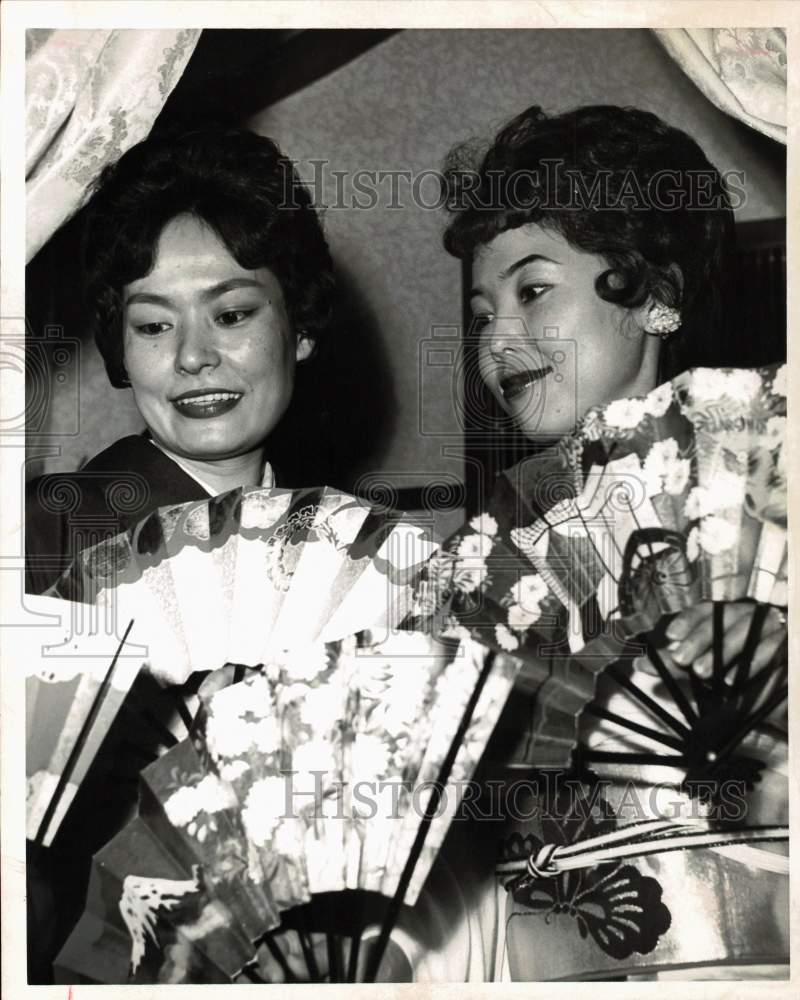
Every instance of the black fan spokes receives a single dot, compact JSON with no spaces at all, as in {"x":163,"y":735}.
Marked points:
{"x":350,"y":912}
{"x":324,"y":937}
{"x":147,"y":719}
{"x":701,"y":731}
{"x":80,"y":741}
{"x":705,"y":725}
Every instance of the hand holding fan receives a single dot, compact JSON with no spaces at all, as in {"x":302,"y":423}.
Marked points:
{"x":653,"y":505}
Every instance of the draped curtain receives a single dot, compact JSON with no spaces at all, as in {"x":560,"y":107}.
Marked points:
{"x":90,"y":95}
{"x":740,"y":70}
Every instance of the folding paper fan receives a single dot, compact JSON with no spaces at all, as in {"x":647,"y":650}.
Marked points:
{"x":314,"y":794}
{"x":90,"y":703}
{"x":233,"y":578}
{"x":652,"y":505}
{"x":75,"y":684}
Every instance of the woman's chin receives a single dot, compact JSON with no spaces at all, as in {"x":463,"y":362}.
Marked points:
{"x":538,"y":422}
{"x":208,"y":450}
{"x":545,"y":430}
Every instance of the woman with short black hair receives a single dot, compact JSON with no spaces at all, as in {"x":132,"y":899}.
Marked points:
{"x":616,"y":183}
{"x":208,"y":279}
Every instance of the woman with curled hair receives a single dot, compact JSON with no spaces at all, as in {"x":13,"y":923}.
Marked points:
{"x":208,"y":279}
{"x":641,"y":218}
{"x":599,"y":232}
{"x":595,"y":241}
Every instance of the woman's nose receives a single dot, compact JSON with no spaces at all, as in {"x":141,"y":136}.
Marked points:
{"x":196,"y":349}
{"x":505,"y":336}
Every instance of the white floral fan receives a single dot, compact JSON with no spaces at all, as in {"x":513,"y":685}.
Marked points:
{"x":653,"y":505}
{"x":315,"y":786}
{"x":237,"y":578}
{"x":192,"y":587}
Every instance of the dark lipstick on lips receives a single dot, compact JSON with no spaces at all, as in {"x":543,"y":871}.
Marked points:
{"x":513,"y":385}
{"x":202,"y":404}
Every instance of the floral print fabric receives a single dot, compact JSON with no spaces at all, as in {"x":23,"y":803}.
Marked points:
{"x":740,"y":70}
{"x":652,"y":505}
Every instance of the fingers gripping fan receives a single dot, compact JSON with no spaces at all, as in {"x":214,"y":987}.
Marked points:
{"x":653,"y":505}
{"x":316,"y":790}
{"x":232,"y":578}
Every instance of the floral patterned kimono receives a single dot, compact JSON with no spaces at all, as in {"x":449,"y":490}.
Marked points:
{"x":653,"y":505}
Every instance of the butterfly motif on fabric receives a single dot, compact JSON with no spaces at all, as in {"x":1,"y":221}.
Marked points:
{"x":143,"y":898}
{"x":615,"y":904}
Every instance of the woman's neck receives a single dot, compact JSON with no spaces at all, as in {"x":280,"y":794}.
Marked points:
{"x":222,"y":475}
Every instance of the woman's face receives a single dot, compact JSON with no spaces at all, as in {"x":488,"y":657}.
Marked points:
{"x":550,"y":347}
{"x":208,"y":347}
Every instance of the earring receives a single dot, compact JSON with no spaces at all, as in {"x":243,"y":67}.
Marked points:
{"x":124,"y":381}
{"x":662,"y":320}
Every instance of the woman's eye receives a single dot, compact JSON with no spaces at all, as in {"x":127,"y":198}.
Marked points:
{"x":529,"y":293}
{"x":152,"y":329}
{"x":233,"y":316}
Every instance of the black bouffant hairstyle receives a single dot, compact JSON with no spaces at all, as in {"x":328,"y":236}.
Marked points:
{"x":616,"y":182}
{"x":242,"y":186}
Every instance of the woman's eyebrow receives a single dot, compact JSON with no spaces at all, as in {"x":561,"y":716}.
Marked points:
{"x":531,"y":258}
{"x":211,"y":292}
{"x":227,"y":286}
{"x":149,"y":298}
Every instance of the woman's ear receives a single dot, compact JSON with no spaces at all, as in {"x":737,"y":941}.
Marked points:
{"x":643,"y":315}
{"x":305,"y":347}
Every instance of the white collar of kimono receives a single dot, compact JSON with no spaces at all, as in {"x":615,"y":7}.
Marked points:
{"x":267,"y":479}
